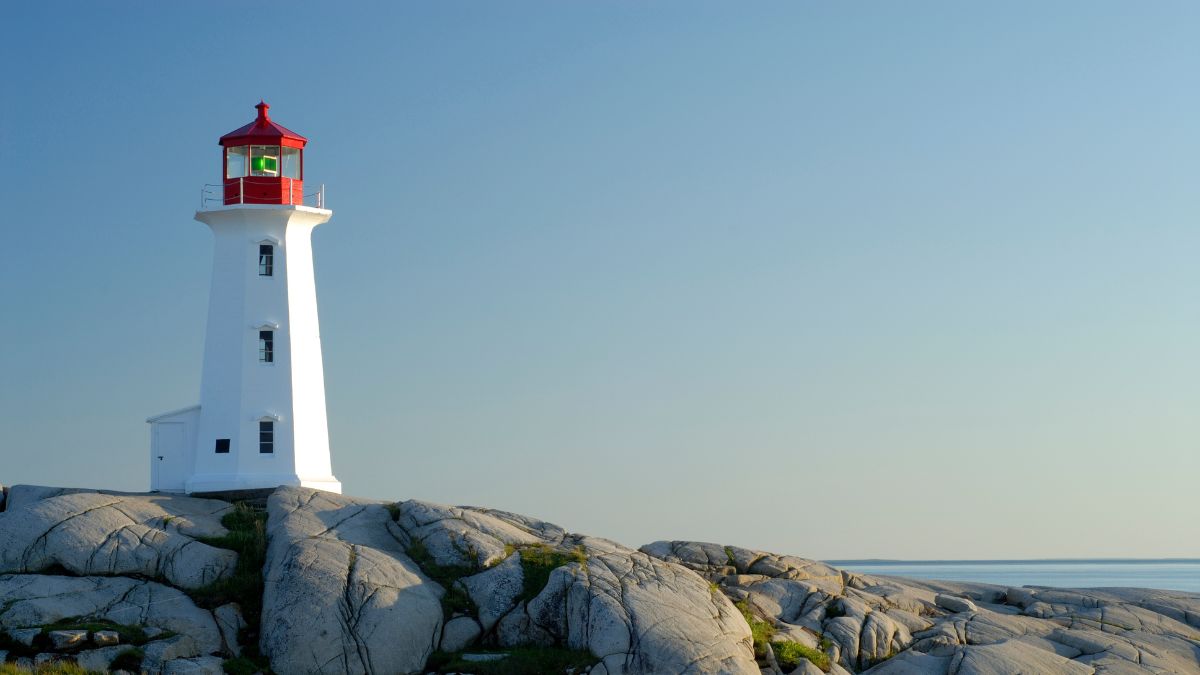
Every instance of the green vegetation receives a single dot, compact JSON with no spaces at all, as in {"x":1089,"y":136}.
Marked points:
{"x":242,"y":665}
{"x":393,"y":509}
{"x":130,"y":660}
{"x":789,"y":655}
{"x":519,"y":661}
{"x":247,"y":537}
{"x":729,"y":554}
{"x":63,"y":668}
{"x":539,"y":560}
{"x":760,"y":630}
{"x":456,"y":600}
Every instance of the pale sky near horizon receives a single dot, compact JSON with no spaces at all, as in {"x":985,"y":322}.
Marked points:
{"x":841,"y":280}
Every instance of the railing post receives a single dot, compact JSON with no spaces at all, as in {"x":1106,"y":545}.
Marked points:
{"x":241,"y":190}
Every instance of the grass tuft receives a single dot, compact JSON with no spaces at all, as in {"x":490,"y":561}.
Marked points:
{"x":60,"y":668}
{"x":130,"y":660}
{"x":456,"y":600}
{"x":789,"y":654}
{"x":761,"y":631}
{"x":539,"y":560}
{"x":247,"y":536}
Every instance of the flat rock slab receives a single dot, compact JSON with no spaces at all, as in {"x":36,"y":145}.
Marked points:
{"x":37,"y":600}
{"x":88,"y":533}
{"x":63,"y":640}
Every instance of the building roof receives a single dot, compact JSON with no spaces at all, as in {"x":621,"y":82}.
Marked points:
{"x":263,"y":131}
{"x":173,"y":413}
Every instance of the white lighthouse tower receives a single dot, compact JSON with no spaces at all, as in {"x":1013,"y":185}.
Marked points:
{"x":261,"y":419}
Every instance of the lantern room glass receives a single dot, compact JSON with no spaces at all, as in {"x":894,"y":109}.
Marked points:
{"x":235,"y":161}
{"x":264,"y":160}
{"x":290,"y":164}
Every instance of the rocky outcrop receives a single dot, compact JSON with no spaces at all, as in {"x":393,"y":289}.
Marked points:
{"x":893,"y":626}
{"x":91,"y":533}
{"x":633,"y":612}
{"x":341,"y":596}
{"x":363,"y":586}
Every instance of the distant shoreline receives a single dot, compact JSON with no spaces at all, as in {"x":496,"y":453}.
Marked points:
{"x":1030,"y":561}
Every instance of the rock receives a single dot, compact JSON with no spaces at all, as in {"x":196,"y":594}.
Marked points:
{"x":152,"y":632}
{"x":107,"y":534}
{"x":1012,"y":657}
{"x":4,"y":655}
{"x":62,"y":640}
{"x":105,"y":638}
{"x":642,"y":614}
{"x":953,"y":604}
{"x":230,"y":623}
{"x":341,"y":594}
{"x":495,"y":591}
{"x":459,"y":633}
{"x":912,"y":663}
{"x":159,"y":652}
{"x":806,"y":667}
{"x":452,"y":534}
{"x":36,"y":600}
{"x":45,"y":659}
{"x":24,"y":663}
{"x":24,"y":636}
{"x":200,"y":665}
{"x":481,"y":658}
{"x":98,"y":659}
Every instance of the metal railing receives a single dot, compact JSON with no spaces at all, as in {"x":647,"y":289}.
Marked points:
{"x":214,"y":193}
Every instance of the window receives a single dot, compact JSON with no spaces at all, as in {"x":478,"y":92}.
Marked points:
{"x":291,"y":162}
{"x":222,"y":446}
{"x":266,"y":346}
{"x":266,"y":437}
{"x":264,"y":160}
{"x":266,"y":260}
{"x":235,"y":161}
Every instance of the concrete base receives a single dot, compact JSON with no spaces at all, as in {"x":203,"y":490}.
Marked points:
{"x":234,"y":482}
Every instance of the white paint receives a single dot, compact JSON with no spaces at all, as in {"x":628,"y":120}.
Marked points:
{"x":236,"y":389}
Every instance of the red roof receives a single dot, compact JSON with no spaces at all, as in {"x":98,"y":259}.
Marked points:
{"x":263,"y":131}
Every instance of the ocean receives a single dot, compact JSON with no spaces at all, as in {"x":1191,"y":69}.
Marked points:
{"x":1170,"y":574}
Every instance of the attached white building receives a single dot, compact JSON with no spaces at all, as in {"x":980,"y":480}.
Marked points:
{"x":261,"y":420}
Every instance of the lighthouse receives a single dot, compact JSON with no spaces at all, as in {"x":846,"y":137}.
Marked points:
{"x":261,"y":419}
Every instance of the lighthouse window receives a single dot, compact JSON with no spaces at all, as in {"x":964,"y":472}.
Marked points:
{"x":222,"y":446}
{"x":235,"y":162}
{"x":291,"y":162}
{"x":266,"y":260}
{"x":266,"y":437}
{"x":264,"y":160}
{"x":266,"y":346}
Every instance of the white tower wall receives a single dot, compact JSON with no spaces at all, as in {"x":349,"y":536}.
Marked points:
{"x":237,"y":391}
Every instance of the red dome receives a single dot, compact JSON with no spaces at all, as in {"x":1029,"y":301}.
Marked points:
{"x":263,"y":131}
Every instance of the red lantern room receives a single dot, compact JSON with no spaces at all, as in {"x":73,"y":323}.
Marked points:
{"x":263,"y":163}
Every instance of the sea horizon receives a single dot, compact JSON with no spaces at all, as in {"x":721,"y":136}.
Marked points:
{"x":1169,"y":574}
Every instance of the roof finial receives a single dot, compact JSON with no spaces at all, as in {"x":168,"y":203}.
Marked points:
{"x":262,"y":110}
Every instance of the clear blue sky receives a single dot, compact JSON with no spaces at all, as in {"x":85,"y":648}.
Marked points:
{"x":910,"y":280}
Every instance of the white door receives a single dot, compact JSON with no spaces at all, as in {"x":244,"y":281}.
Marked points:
{"x":167,"y":458}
